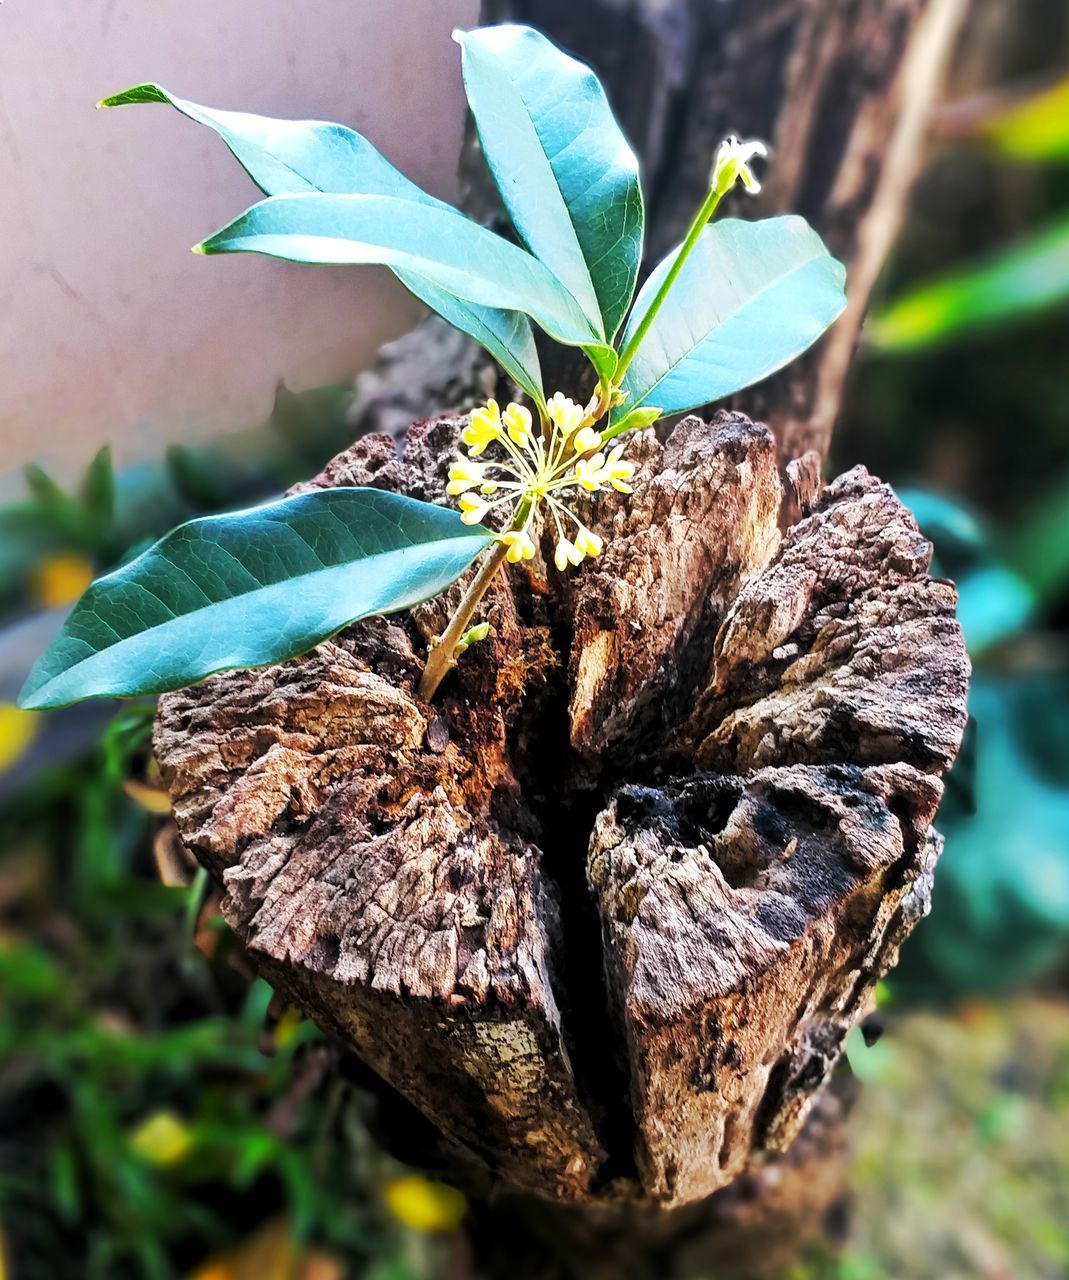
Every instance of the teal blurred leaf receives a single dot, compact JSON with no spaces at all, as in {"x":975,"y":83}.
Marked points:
{"x":1000,"y":913}
{"x":995,"y":603}
{"x":1039,"y":548}
{"x":1022,"y":281}
{"x":751,"y":297}
{"x":251,"y":588}
{"x":288,"y":157}
{"x":566,"y":173}
{"x":435,"y":242}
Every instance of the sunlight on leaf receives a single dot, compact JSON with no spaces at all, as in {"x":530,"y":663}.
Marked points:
{"x":251,"y":588}
{"x":1023,"y":281}
{"x":1035,"y":129}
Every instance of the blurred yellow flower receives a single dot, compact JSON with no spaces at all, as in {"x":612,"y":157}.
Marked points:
{"x":423,"y":1205}
{"x":18,"y":729}
{"x":162,"y":1139}
{"x":61,"y":580}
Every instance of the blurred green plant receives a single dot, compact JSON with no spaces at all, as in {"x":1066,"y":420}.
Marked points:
{"x":1019,"y":282}
{"x":1000,"y":913}
{"x":53,"y":541}
{"x":143,"y":1128}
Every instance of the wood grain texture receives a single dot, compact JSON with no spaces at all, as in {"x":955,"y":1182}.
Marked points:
{"x":778,"y":706}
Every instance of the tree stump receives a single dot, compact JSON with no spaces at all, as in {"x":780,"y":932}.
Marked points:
{"x":606,"y":909}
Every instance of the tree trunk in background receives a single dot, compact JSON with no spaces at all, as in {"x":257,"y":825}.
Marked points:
{"x":841,"y":89}
{"x":461,"y":956}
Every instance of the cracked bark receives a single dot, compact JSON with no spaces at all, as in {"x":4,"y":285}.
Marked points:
{"x":741,"y":731}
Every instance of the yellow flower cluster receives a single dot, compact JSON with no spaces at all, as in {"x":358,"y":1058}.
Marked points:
{"x":534,"y":468}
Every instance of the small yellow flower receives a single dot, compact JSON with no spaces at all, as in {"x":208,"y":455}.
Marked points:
{"x":162,"y":1139}
{"x":588,"y":542}
{"x":565,"y":414}
{"x":464,"y":475}
{"x":18,"y":729}
{"x":589,"y":472}
{"x":617,"y":471}
{"x":472,"y":509}
{"x":566,"y":553}
{"x":520,"y":546}
{"x":483,"y":429}
{"x":586,"y":439}
{"x":534,"y":471}
{"x":733,"y":165}
{"x":517,"y":421}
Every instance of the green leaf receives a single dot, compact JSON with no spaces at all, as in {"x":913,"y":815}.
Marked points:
{"x":505,"y":334}
{"x":251,"y":588}
{"x":290,"y":157}
{"x":1039,"y":548}
{"x":1020,"y":282}
{"x":566,"y":173}
{"x":448,"y":250}
{"x":751,"y":297}
{"x":1035,"y":129}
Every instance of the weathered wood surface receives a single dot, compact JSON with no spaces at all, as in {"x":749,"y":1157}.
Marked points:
{"x":744,"y":733}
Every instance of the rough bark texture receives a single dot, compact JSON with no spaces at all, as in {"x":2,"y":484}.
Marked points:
{"x":742,"y":731}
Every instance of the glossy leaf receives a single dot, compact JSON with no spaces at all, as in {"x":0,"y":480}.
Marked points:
{"x":448,"y":250}
{"x":288,"y":157}
{"x":751,"y":297}
{"x":566,"y":173}
{"x":251,"y":588}
{"x":505,"y":334}
{"x":1020,"y":282}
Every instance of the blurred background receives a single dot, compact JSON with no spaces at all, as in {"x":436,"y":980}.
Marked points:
{"x":160,"y":1117}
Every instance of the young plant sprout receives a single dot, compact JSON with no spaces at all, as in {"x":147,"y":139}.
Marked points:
{"x":734,"y":302}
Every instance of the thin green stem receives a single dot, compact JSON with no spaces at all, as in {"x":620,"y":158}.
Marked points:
{"x":442,"y":657}
{"x":701,"y":218}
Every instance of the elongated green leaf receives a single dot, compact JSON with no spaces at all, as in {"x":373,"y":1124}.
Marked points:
{"x":251,"y":588}
{"x":566,"y":173}
{"x":437,"y":243}
{"x":288,"y":157}
{"x":1035,"y":129}
{"x":751,"y":297}
{"x":505,"y":334}
{"x":1026,"y":279}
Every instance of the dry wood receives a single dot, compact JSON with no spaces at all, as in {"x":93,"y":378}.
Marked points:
{"x":779,"y":709}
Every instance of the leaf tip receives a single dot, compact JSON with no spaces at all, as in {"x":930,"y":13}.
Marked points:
{"x":201,"y":248}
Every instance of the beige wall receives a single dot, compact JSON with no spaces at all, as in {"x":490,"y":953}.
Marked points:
{"x":110,"y":329}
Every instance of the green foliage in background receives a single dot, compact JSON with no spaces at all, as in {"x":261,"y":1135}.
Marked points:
{"x":1012,"y":285}
{"x":153,"y":1114}
{"x":1000,"y":916}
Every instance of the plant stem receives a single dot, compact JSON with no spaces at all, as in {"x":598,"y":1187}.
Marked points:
{"x":441,"y":659}
{"x":703,"y":215}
